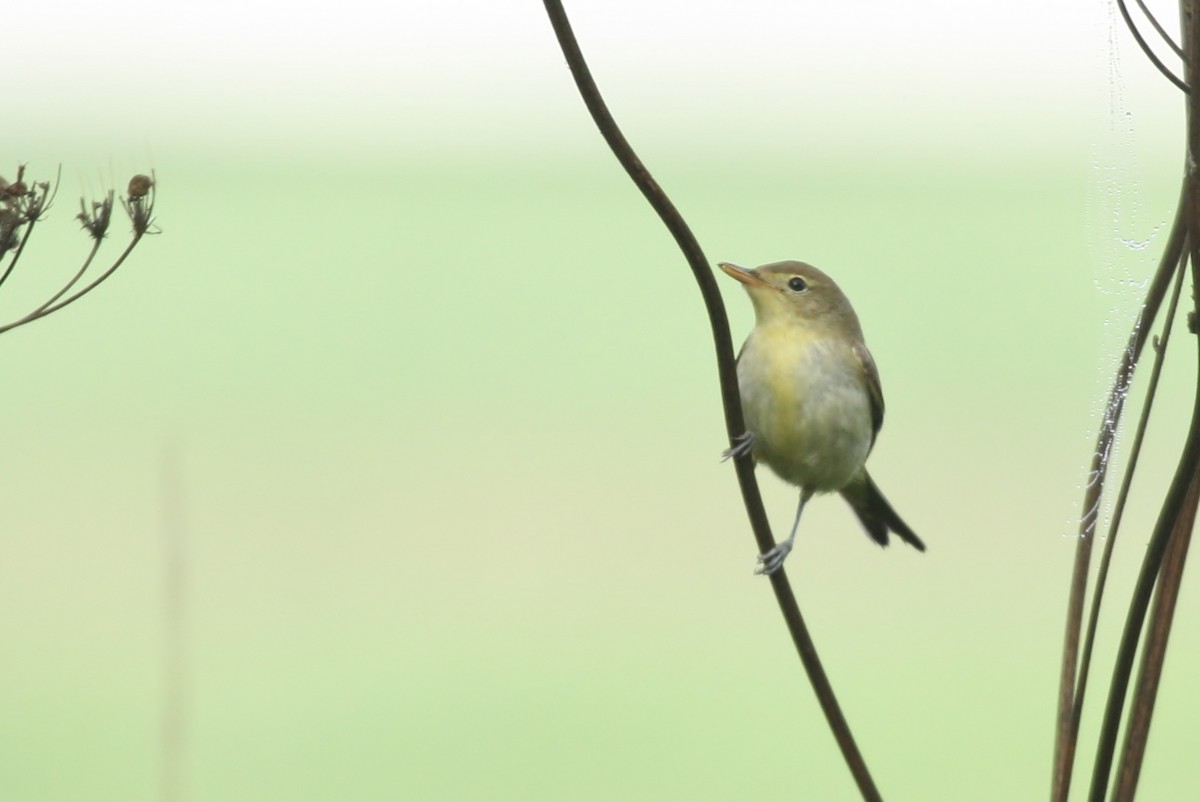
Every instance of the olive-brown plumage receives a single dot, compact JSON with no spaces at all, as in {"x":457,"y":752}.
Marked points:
{"x":811,"y":396}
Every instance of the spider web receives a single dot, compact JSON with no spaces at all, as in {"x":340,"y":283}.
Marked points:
{"x":1126,"y":225}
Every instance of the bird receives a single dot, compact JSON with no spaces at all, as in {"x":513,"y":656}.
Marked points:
{"x":811,"y":397}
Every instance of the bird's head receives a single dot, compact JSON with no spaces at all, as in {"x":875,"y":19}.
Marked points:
{"x":796,"y":293}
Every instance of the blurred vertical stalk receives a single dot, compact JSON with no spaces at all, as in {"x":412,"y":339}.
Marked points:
{"x":174,"y":655}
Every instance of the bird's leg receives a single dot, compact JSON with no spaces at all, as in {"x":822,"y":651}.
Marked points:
{"x":772,"y":561}
{"x":745,"y":444}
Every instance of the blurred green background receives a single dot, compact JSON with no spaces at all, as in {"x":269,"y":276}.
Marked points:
{"x":426,"y":396}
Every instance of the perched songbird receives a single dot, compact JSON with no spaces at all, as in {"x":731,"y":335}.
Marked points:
{"x":811,"y":396}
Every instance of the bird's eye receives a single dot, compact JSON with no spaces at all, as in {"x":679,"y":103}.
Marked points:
{"x":797,"y":284}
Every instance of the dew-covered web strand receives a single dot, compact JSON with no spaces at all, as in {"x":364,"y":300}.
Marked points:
{"x":1121,"y":239}
{"x":1160,"y":349}
{"x":1123,"y":235}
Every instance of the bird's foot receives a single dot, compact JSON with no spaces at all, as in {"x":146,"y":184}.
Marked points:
{"x":772,"y":561}
{"x":744,"y":444}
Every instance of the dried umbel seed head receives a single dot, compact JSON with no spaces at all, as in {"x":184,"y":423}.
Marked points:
{"x":14,"y":190}
{"x":139,"y":185}
{"x":9,"y":222}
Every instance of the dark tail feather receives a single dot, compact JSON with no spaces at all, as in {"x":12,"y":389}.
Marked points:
{"x":876,"y":515}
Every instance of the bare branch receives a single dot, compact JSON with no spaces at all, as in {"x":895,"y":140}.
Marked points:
{"x":1166,"y":37}
{"x":727,"y":371}
{"x":1137,"y":729}
{"x":1178,"y":509}
{"x":1070,"y":694}
{"x":1170,"y":76}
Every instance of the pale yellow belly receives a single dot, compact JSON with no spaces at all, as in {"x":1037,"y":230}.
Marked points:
{"x":807,"y":405}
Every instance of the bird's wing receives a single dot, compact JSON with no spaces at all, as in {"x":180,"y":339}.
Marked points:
{"x":871,"y":377}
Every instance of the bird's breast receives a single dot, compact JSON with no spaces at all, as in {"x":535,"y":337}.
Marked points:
{"x":806,"y":401}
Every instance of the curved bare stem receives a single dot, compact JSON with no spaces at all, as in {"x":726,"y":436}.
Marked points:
{"x":1137,"y":35}
{"x":46,"y":310}
{"x":1178,"y":509}
{"x":1071,"y":690}
{"x":67,"y":287}
{"x":727,"y":372}
{"x":1110,"y":541}
{"x":1137,"y":730}
{"x":1166,"y":37}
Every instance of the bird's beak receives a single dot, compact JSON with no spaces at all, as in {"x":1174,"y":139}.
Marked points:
{"x":743,"y":274}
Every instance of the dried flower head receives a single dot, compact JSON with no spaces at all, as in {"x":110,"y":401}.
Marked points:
{"x":96,"y":219}
{"x":139,"y":204}
{"x":16,"y":189}
{"x":10,"y":223}
{"x":139,"y":185}
{"x":23,"y":204}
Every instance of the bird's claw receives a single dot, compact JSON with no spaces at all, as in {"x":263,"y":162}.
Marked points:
{"x":744,"y":444}
{"x":772,"y":561}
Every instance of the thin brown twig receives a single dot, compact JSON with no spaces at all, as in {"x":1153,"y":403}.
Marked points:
{"x":727,"y":371}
